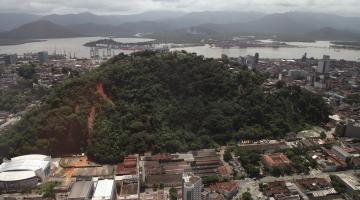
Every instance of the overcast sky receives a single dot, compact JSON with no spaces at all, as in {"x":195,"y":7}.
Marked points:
{"x":341,"y":7}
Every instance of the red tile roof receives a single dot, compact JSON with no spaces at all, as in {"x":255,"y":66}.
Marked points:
{"x":225,"y":186}
{"x":128,"y":167}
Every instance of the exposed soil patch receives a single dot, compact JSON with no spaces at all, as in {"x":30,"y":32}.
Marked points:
{"x":101,"y":92}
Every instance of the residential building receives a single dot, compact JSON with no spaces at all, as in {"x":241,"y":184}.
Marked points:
{"x":43,"y":56}
{"x":191,"y":187}
{"x":352,"y":184}
{"x":323,"y":65}
{"x":341,"y":153}
{"x":350,"y":130}
{"x":10,"y":59}
{"x":227,"y":189}
{"x":280,"y":190}
{"x":316,"y":188}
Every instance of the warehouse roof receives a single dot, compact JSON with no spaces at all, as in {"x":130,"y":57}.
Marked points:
{"x":30,"y":162}
{"x":104,"y":189}
{"x":80,"y":189}
{"x":16,"y":175}
{"x":32,"y":157}
{"x":23,"y":165}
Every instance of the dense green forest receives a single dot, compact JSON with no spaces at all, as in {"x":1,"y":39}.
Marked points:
{"x":160,"y":102}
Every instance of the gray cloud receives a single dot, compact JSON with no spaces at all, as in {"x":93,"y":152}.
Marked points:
{"x":342,"y":7}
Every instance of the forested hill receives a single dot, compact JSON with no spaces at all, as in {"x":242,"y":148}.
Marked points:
{"x":160,"y":102}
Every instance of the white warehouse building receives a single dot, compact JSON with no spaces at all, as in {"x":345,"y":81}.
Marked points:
{"x":105,"y":190}
{"x":23,"y":172}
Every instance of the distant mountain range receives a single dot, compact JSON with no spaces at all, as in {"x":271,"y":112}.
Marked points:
{"x":115,"y":20}
{"x":164,"y":24}
{"x":291,"y":23}
{"x":9,"y":21}
{"x":39,"y":30}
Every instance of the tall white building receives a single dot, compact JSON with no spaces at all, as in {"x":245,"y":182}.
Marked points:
{"x":324,"y":65}
{"x":191,"y":187}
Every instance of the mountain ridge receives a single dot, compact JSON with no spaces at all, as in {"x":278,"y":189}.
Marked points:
{"x":39,"y":30}
{"x":285,"y":26}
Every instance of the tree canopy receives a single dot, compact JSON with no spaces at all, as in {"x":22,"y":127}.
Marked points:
{"x":27,"y":71}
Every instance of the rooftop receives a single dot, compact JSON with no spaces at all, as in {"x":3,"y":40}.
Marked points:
{"x":225,"y":186}
{"x":314,"y":184}
{"x":104,"y":189}
{"x":128,"y":167}
{"x":190,"y":179}
{"x":80,"y":189}
{"x":16,"y":175}
{"x":32,"y":157}
{"x":341,"y":151}
{"x":23,"y":167}
{"x":351,"y":181}
{"x":276,"y":159}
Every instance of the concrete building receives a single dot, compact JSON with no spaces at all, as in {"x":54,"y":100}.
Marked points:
{"x":23,"y":172}
{"x":257,"y":57}
{"x":350,"y":130}
{"x":43,"y":56}
{"x":250,"y":61}
{"x":341,"y":153}
{"x":323,"y":65}
{"x":191,"y":187}
{"x":352,"y":184}
{"x":81,"y":190}
{"x":10,"y":59}
{"x":105,"y":190}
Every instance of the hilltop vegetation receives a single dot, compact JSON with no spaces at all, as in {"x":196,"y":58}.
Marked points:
{"x":160,"y":102}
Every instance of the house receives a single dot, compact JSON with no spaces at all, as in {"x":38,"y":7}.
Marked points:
{"x":227,"y":189}
{"x":275,"y":160}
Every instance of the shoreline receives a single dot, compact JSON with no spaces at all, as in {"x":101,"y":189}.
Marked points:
{"x":19,"y":42}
